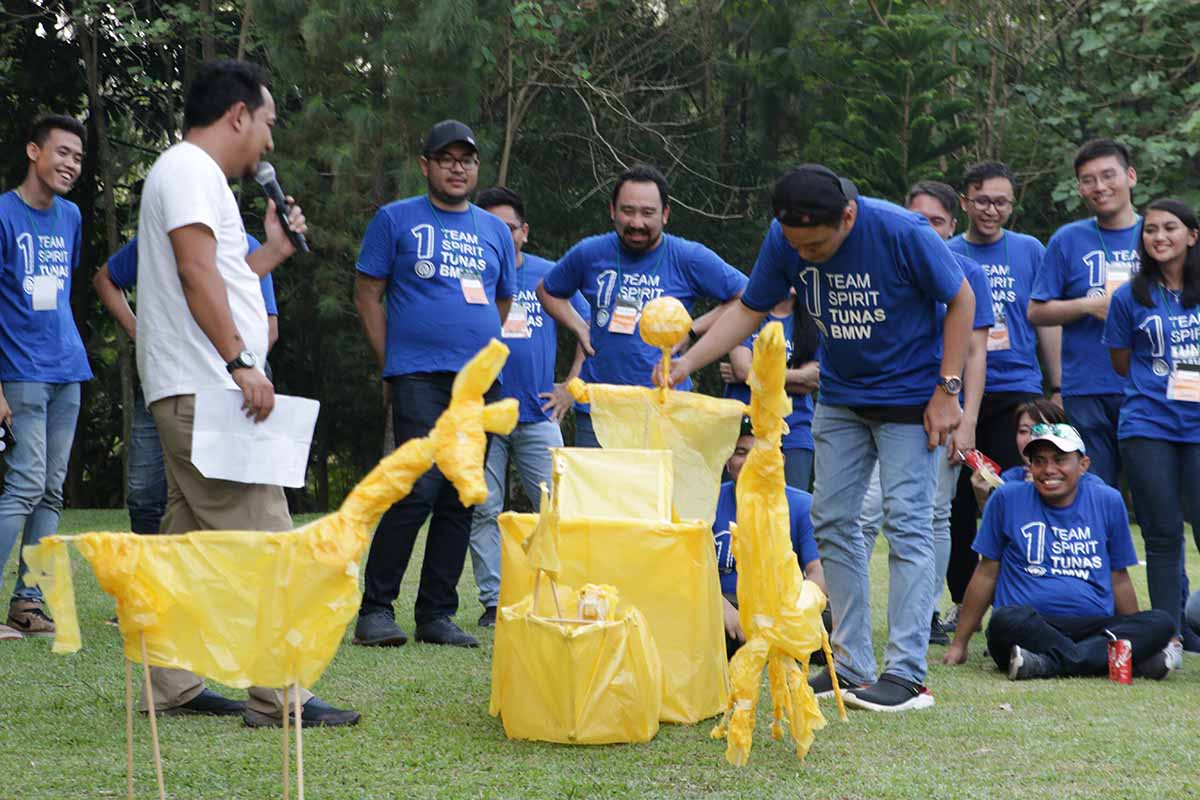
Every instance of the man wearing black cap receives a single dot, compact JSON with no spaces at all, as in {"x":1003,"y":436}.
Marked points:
{"x":447,"y":267}
{"x":872,"y":275}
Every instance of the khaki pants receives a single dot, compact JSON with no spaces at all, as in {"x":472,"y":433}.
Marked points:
{"x":197,"y":503}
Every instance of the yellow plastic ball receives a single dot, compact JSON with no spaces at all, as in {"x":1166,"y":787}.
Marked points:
{"x":665,"y":322}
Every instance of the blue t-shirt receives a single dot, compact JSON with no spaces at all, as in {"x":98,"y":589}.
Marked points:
{"x":1058,"y":560}
{"x":799,"y":436}
{"x":875,"y":300}
{"x":1161,"y":339}
{"x":529,"y":370}
{"x":1011,"y":265}
{"x":1076,"y":265}
{"x":803,"y":543}
{"x":39,"y":250}
{"x":685,"y":270}
{"x":425,"y":253}
{"x":123,"y":269}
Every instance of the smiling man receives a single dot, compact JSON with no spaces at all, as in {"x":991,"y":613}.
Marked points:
{"x":1055,"y":553}
{"x":42,"y":360}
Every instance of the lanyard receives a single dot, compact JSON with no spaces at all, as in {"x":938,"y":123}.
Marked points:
{"x":442,"y":226}
{"x":1108,"y":256}
{"x":621,"y":273}
{"x":1166,"y":296}
{"x":29,"y":215}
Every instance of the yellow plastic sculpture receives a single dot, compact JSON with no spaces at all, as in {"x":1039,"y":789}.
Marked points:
{"x":699,"y":430}
{"x":779,"y":611}
{"x":268,"y":609}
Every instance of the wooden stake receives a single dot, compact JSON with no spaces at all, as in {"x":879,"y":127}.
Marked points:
{"x":129,"y":726}
{"x":287,"y":772}
{"x":299,"y":739}
{"x":162,"y":792}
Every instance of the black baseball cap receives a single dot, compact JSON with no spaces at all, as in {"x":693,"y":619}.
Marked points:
{"x":446,"y":133}
{"x":747,"y":428}
{"x":811,"y":194}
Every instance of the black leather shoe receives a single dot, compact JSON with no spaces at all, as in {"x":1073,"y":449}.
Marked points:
{"x":378,"y":629}
{"x":316,"y":713}
{"x":208,"y":703}
{"x":443,"y":631}
{"x":488,"y":620}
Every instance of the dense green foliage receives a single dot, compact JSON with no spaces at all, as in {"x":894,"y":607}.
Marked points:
{"x":723,"y":94}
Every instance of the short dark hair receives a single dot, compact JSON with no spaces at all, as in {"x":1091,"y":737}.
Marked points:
{"x":219,"y":85}
{"x":942,"y":192}
{"x":976,"y":174}
{"x":1150,"y":273}
{"x":501,"y":196}
{"x":40,"y":131}
{"x":1099,"y":148}
{"x":643,"y":173}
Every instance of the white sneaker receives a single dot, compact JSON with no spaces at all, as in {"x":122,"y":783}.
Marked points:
{"x":1174,"y":651}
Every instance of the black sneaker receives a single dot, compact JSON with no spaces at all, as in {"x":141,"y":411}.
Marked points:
{"x":378,"y":629}
{"x":1155,"y":667}
{"x":207,"y":703}
{"x":1025,"y":665}
{"x":822,"y":684}
{"x":890,"y":693}
{"x":488,"y":618}
{"x":443,"y":631}
{"x":937,"y":633}
{"x":316,"y":713}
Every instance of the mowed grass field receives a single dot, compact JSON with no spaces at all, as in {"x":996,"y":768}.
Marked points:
{"x":426,"y":732}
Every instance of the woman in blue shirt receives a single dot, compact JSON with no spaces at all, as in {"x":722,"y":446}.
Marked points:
{"x":1153,"y":336}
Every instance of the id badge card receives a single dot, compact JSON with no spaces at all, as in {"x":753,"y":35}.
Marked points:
{"x":998,"y":335}
{"x":472,"y":289}
{"x":45,"y":293}
{"x":624,"y":317}
{"x":1116,"y":275}
{"x":516,"y":324}
{"x":1183,"y":384}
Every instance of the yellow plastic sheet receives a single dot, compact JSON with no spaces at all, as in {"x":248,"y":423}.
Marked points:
{"x":575,"y":682}
{"x":779,"y":612}
{"x":268,"y":609}
{"x":600,"y":482}
{"x":667,"y":570}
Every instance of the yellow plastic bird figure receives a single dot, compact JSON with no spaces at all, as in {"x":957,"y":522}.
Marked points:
{"x":779,"y":611}
{"x":700,"y":431}
{"x":268,"y":609}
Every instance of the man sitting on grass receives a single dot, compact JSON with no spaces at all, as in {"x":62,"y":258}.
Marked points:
{"x":1054,"y":558}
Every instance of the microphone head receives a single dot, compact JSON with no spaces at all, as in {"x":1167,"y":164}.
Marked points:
{"x":265,"y":174}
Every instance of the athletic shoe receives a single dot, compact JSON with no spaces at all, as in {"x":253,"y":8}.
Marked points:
{"x":208,"y":703}
{"x":1155,"y":667}
{"x":316,"y":713}
{"x":488,"y":618}
{"x":822,"y":684}
{"x":443,"y":631}
{"x":890,"y":693}
{"x":937,"y":631}
{"x":7,"y":633}
{"x":1174,"y":651}
{"x":29,"y":617}
{"x":950,"y":621}
{"x":1025,"y":664}
{"x":378,"y":629}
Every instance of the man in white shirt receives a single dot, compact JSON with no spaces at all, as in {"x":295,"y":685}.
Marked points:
{"x":203,"y":324}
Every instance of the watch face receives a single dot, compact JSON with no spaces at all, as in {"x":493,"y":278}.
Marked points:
{"x":953,"y":385}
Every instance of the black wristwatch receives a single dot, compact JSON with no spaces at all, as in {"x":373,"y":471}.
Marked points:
{"x":951,"y":384}
{"x":244,"y":360}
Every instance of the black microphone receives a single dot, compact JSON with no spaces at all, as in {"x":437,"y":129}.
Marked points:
{"x":270,"y":186}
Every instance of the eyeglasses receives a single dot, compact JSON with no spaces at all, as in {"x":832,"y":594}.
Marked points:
{"x":446,"y":161}
{"x":982,"y":201}
{"x":513,"y":228}
{"x":1108,"y":177}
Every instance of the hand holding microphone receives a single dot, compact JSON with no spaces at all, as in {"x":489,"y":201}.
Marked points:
{"x":287,"y":214}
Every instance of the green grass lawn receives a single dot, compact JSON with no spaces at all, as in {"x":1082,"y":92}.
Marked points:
{"x":426,"y":732}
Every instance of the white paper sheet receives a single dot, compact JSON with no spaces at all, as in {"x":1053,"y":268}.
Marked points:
{"x":228,"y":445}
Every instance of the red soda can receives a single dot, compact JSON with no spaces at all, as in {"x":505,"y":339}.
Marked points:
{"x":1120,"y":661}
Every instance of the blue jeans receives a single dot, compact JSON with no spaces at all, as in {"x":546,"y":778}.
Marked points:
{"x":146,"y":491}
{"x":1095,"y":417}
{"x":797,"y":468}
{"x":43,"y":423}
{"x":847,"y":447}
{"x":1161,"y":475}
{"x":871,"y":519}
{"x":585,"y":435}
{"x":529,"y":447}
